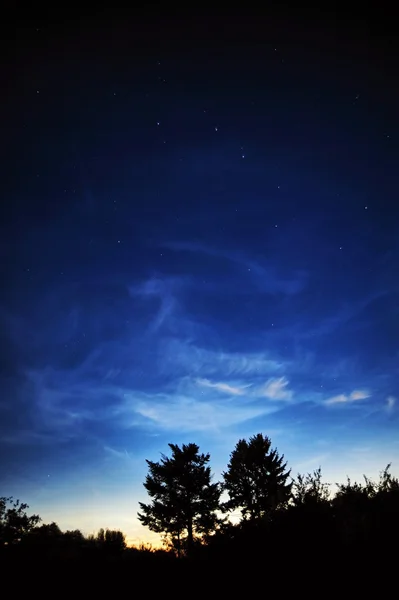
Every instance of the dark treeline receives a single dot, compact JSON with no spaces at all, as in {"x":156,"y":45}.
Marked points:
{"x":283,"y":526}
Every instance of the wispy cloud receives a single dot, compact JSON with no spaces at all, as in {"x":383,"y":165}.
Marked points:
{"x":276,"y":389}
{"x":264,"y":276}
{"x":65,"y":405}
{"x":205,"y":362}
{"x":348,"y":398}
{"x":117,"y":453}
{"x":359,"y":395}
{"x":312,"y":462}
{"x":223,"y":387}
{"x":196,"y":389}
{"x":184,"y":414}
{"x":122,"y":457}
{"x":165,"y":290}
{"x":390,"y":403}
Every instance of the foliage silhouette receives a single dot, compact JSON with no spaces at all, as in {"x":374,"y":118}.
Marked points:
{"x":256,"y":479}
{"x":369,"y":510}
{"x":184,"y":500}
{"x":310,"y":490}
{"x":14,"y":521}
{"x":340,"y":533}
{"x":114,"y":542}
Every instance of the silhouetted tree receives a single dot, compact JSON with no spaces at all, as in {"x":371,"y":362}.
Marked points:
{"x":115,"y":542}
{"x":74,"y":537}
{"x":45,"y":535}
{"x":47,"y":530}
{"x":106,"y":543}
{"x":368,"y":512}
{"x":46,"y":540}
{"x":352,"y":504}
{"x":101,"y":537}
{"x":310,"y":490}
{"x":256,"y":478}
{"x":308,"y":517}
{"x":184,"y":500}
{"x":14,"y":521}
{"x":110,"y":541}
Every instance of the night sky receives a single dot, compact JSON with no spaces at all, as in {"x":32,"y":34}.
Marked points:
{"x":199,"y":242}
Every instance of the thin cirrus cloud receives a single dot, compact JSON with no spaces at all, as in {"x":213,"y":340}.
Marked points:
{"x":164,"y":290}
{"x":196,"y":359}
{"x":276,"y":389}
{"x":390,"y":403}
{"x":264,"y":277}
{"x":185,"y":414}
{"x":223,"y":387}
{"x":341,"y":399}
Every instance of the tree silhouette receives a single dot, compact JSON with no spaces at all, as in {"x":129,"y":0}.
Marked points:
{"x":74,"y":537}
{"x":310,"y":490}
{"x":44,"y":536}
{"x":307,"y":517}
{"x":184,"y":500}
{"x":14,"y":522}
{"x":100,"y":539}
{"x":115,"y":541}
{"x":256,"y":478}
{"x":368,"y":511}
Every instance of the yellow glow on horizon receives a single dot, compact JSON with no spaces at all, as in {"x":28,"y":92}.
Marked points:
{"x":90,"y":504}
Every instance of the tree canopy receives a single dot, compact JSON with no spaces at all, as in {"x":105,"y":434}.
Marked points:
{"x":184,"y":499}
{"x":310,"y":490}
{"x":14,"y":521}
{"x":256,"y":479}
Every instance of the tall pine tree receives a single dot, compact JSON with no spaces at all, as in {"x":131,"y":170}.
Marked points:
{"x":184,"y":501}
{"x":256,"y":479}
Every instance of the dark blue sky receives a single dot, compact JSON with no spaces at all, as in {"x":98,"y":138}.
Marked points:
{"x":199,"y":241}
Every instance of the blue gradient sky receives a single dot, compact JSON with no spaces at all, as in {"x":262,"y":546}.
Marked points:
{"x":200,"y":242}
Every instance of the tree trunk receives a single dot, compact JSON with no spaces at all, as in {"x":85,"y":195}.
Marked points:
{"x":189,"y":536}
